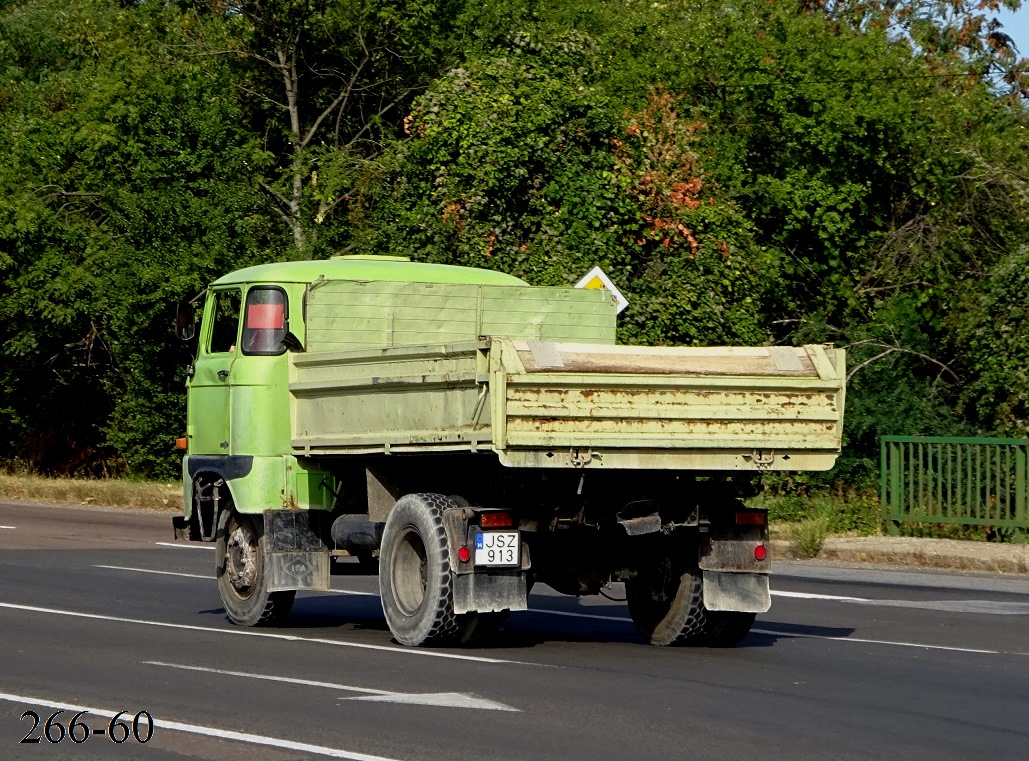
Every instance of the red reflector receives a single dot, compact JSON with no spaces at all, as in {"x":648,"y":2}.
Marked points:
{"x":750,"y":519}
{"x":496,"y":520}
{"x":760,"y":553}
{"x":464,"y":555}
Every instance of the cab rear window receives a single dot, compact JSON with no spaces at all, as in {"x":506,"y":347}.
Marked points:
{"x":265,"y":321}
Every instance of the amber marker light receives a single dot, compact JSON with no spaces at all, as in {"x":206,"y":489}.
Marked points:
{"x":180,"y":443}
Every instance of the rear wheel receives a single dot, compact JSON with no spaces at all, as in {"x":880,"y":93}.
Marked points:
{"x":666,"y":602}
{"x":476,"y":627}
{"x":415,"y":581}
{"x":242,"y":582}
{"x":728,"y":628}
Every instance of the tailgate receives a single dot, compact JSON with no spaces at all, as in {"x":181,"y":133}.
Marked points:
{"x":711,"y":408}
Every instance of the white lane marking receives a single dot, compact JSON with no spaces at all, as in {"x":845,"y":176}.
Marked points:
{"x":576,"y":615}
{"x":160,"y":573}
{"x":442,"y":699}
{"x":196,"y":729}
{"x":267,"y":635}
{"x":211,"y":578}
{"x":859,"y":640}
{"x":813,"y":596}
{"x":12,"y":528}
{"x":978,"y":607}
{"x":185,"y":546}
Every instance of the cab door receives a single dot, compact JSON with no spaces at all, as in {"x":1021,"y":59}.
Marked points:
{"x":209,"y":402}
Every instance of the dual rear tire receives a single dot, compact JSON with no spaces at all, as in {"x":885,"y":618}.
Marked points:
{"x":666,"y":602}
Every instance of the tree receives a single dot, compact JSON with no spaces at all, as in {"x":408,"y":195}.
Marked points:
{"x":517,"y":162}
{"x":326,"y":84}
{"x":123,"y":191}
{"x":994,"y":349}
{"x":876,"y":156}
{"x":946,"y":34}
{"x":746,"y":171}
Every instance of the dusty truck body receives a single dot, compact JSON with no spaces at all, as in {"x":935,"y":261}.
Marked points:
{"x":466,"y":435}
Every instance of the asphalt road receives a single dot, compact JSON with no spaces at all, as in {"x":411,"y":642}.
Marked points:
{"x":100,"y":610}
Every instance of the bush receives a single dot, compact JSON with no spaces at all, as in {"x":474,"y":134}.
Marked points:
{"x":808,"y":536}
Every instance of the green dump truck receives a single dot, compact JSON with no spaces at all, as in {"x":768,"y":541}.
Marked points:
{"x":466,"y":435}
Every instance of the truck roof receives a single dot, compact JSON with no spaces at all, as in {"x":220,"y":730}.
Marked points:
{"x":365,"y":268}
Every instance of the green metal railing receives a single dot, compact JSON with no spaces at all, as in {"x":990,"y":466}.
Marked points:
{"x":951,"y":480}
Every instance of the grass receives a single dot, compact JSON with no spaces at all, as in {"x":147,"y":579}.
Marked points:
{"x":856,"y":513}
{"x":806,"y":520}
{"x":112,"y":492}
{"x":808,"y":536}
{"x":800,"y":518}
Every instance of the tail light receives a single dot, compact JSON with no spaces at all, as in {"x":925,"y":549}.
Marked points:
{"x":751,"y":518}
{"x":496,"y":520}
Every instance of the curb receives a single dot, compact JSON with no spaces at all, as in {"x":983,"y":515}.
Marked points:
{"x":952,"y":554}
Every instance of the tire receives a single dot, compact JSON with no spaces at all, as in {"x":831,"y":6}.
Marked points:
{"x":474,"y":628}
{"x":240,"y":570}
{"x":666,"y":602}
{"x":728,"y":628}
{"x":415,"y":581}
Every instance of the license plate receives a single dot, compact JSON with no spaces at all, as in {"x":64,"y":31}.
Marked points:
{"x":497,"y":548}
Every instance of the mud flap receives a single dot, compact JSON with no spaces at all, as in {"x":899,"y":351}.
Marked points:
{"x":295,"y":555}
{"x":740,"y":592}
{"x":297,"y":570}
{"x":489,"y":592}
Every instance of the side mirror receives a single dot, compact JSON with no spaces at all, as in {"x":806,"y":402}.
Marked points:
{"x":291,"y":342}
{"x":185,"y":322}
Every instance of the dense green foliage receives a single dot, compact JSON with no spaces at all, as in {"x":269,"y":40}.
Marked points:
{"x":748,"y":172}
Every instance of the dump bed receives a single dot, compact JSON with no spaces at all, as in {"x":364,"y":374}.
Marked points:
{"x":538,"y":403}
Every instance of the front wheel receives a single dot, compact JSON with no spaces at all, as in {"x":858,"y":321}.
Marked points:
{"x":242,"y":583}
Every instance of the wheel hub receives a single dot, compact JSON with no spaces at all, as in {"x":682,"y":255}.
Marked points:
{"x":410,"y":572}
{"x":241,"y":561}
